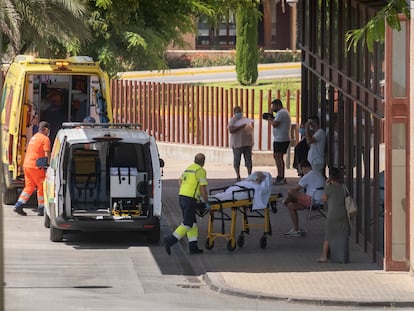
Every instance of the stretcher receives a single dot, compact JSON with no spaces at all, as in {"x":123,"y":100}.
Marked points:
{"x":247,"y":212}
{"x":226,"y":211}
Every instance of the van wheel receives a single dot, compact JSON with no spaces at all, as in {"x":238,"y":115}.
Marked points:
{"x":47,"y":221}
{"x":153,"y":236}
{"x":10,"y":196}
{"x":56,"y":235}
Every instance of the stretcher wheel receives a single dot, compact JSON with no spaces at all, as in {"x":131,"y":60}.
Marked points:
{"x":240,"y":240}
{"x":209,"y":245}
{"x":263,"y":241}
{"x":230,"y":245}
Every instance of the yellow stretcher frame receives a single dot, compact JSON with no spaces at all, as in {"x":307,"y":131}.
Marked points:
{"x":247,"y":212}
{"x":244,"y":207}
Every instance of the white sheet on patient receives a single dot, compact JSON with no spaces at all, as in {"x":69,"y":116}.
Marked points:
{"x":261,"y":192}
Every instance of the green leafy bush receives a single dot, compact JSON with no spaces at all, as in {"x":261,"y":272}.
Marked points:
{"x":184,"y":61}
{"x":266,"y":57}
{"x":228,"y":58}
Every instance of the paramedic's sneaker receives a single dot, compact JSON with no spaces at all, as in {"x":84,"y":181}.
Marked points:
{"x":19,"y":210}
{"x":294,"y":232}
{"x":168,"y":242}
{"x":167,"y":245}
{"x":280,"y":181}
{"x":193,"y":248}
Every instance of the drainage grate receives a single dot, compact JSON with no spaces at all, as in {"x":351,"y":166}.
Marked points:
{"x":189,"y":286}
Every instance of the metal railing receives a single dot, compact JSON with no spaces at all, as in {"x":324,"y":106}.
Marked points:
{"x":197,"y":115}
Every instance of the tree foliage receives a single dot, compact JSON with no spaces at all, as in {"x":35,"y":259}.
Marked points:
{"x":42,"y":26}
{"x":134,"y":35}
{"x":121,"y":34}
{"x":374,"y":30}
{"x":247,"y":57}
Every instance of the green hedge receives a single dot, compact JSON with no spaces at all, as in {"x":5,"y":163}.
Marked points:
{"x":198,"y":59}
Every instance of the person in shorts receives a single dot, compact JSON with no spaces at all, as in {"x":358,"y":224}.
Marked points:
{"x":241,"y":140}
{"x":308,"y":190}
{"x":281,"y":138}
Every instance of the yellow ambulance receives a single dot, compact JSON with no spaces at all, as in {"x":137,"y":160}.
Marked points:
{"x":52,"y":90}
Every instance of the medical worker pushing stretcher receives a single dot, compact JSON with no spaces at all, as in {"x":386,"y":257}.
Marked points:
{"x":193,"y":185}
{"x":37,"y":148}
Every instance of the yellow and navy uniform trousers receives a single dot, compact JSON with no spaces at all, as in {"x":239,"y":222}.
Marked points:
{"x":189,"y":225}
{"x":191,"y":180}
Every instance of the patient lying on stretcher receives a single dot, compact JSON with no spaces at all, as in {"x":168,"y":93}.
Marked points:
{"x":257,"y":186}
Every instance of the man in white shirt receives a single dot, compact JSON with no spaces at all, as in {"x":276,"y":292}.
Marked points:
{"x":313,"y":183}
{"x":281,"y":138}
{"x":316,"y":143}
{"x":241,"y":140}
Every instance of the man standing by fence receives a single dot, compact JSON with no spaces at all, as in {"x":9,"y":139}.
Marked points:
{"x":241,"y":140}
{"x":281,"y":138}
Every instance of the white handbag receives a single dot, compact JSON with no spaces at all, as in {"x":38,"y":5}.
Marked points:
{"x":350,"y":205}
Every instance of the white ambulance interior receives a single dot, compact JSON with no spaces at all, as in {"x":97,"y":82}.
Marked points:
{"x":108,"y":179}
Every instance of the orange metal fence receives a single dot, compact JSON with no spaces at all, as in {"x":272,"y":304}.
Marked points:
{"x":196,"y":115}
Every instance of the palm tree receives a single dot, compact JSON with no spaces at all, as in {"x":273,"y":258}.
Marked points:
{"x":47,"y":27}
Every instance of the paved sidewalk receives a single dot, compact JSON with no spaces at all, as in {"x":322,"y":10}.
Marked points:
{"x":371,"y":287}
{"x":286,"y":269}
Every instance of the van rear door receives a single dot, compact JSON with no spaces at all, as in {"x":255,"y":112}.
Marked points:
{"x":157,"y":186}
{"x":56,"y":178}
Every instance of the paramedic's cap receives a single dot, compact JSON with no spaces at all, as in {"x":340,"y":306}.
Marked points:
{"x":44,"y":125}
{"x":89,"y":120}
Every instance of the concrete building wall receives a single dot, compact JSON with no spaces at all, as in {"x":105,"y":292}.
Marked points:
{"x":213,"y":154}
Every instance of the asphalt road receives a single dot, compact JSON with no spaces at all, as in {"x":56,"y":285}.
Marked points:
{"x":120,"y":271}
{"x":107,"y":271}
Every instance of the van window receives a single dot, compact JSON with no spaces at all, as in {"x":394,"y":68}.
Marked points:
{"x":58,"y":98}
{"x":54,"y":156}
{"x":9,"y":100}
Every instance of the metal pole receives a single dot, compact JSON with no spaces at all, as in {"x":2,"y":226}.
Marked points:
{"x":1,"y":176}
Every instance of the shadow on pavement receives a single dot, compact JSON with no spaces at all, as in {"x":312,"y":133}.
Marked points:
{"x":282,"y":254}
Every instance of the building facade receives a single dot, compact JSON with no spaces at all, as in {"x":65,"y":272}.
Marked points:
{"x":363,"y":99}
{"x":277,"y":29}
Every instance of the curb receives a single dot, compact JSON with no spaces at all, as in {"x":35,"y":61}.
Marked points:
{"x":215,"y":282}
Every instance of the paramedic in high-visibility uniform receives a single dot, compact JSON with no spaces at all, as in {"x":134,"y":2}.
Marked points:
{"x":193,"y":185}
{"x":38,"y":147}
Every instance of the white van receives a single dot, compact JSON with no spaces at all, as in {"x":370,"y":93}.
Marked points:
{"x":103,"y":177}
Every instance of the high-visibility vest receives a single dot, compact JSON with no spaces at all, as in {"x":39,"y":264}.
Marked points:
{"x":191,"y":180}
